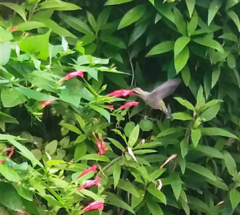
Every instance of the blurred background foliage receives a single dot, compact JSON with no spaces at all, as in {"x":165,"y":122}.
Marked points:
{"x":153,"y":165}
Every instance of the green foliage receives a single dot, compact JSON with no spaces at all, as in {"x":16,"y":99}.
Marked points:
{"x":151,"y":165}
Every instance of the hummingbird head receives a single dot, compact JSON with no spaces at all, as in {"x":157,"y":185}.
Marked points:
{"x":140,"y":93}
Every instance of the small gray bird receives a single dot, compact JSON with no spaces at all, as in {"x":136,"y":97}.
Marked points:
{"x":155,"y":98}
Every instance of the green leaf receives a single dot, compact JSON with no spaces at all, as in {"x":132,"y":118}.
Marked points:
{"x":51,"y":147}
{"x":234,"y":198}
{"x":37,"y":45}
{"x":17,"y":8}
{"x":211,"y":112}
{"x":58,"y":5}
{"x":114,"y":2}
{"x":215,"y":75}
{"x":76,"y":23}
{"x":137,"y":200}
{"x":184,"y":147}
{"x":195,"y":136}
{"x":117,"y":144}
{"x":201,"y":170}
{"x":80,"y":151}
{"x":10,"y":198}
{"x":9,"y":173}
{"x":192,"y":25}
{"x":185,"y":103}
{"x":5,"y":35}
{"x":209,"y":151}
{"x":154,"y":207}
{"x":168,"y":131}
{"x":181,"y":60}
{"x":128,"y":128}
{"x":26,"y":26}
{"x":217,"y":132}
{"x":180,"y":22}
{"x":158,"y":194}
{"x":133,"y":136}
{"x":229,"y":36}
{"x":180,"y":44}
{"x":57,"y":29}
{"x":200,"y":98}
{"x":115,"y":200}
{"x":182,"y":116}
{"x":113,"y":41}
{"x":144,"y":151}
{"x":230,"y":3}
{"x":95,"y":157}
{"x":146,"y":125}
{"x":138,"y":31}
{"x":213,"y":9}
{"x":128,"y":186}
{"x":190,"y":6}
{"x":186,"y":75}
{"x":132,"y":16}
{"x":102,"y":111}
{"x":176,"y":185}
{"x":182,"y":202}
{"x":103,"y":18}
{"x":80,"y":121}
{"x":198,"y":205}
{"x":206,"y":41}
{"x":5,"y":52}
{"x":116,"y":174}
{"x":70,"y":127}
{"x":165,"y":10}
{"x":92,"y":21}
{"x":231,"y":61}
{"x":161,"y":48}
{"x":230,"y":164}
{"x":234,"y":18}
{"x":12,"y":97}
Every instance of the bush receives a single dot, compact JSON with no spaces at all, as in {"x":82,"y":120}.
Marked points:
{"x":61,"y":126}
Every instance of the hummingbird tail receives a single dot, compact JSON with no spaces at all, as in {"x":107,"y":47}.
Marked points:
{"x":169,"y":115}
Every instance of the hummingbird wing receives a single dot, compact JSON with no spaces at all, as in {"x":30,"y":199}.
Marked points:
{"x":165,"y":89}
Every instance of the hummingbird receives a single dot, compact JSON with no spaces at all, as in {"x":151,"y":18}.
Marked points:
{"x":155,"y":98}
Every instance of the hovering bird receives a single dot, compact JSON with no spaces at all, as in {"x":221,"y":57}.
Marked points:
{"x":155,"y":98}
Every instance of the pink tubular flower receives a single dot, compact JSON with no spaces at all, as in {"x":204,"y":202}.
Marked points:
{"x":111,"y":107}
{"x":45,"y":103}
{"x":100,"y":145}
{"x":86,"y":171}
{"x":94,"y":206}
{"x":1,"y":161}
{"x":72,"y":75}
{"x":128,"y":104}
{"x":120,"y":93}
{"x":90,"y":183}
{"x":13,"y":29}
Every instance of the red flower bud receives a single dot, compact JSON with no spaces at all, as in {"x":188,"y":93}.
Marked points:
{"x":94,"y":206}
{"x":128,"y":104}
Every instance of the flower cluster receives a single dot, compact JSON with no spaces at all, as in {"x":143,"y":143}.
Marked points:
{"x":101,"y":145}
{"x":95,"y":204}
{"x":122,"y":93}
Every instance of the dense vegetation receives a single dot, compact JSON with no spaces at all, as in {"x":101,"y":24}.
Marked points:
{"x":70,"y":145}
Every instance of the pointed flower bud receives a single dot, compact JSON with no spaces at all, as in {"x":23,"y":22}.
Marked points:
{"x":90,"y":183}
{"x":128,"y":104}
{"x":43,"y":104}
{"x":72,"y":75}
{"x":121,"y":93}
{"x":86,"y":171}
{"x":94,"y":206}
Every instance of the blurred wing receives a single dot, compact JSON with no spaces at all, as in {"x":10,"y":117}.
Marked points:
{"x":165,"y":89}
